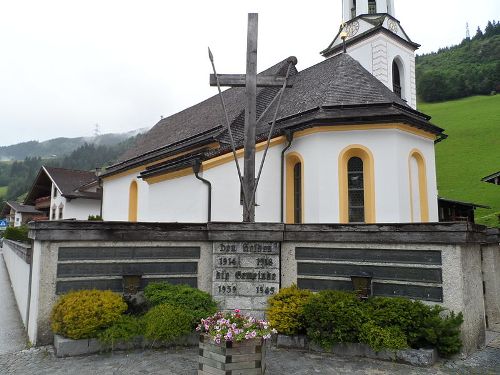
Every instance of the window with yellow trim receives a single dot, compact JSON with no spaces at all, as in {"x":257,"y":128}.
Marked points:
{"x":294,"y":188}
{"x":356,"y":185}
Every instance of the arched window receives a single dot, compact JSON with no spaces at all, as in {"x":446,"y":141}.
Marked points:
{"x":372,"y":6}
{"x":356,"y":190}
{"x":294,"y":188}
{"x":396,"y":79}
{"x":356,"y":185}
{"x":132,"y":202}
{"x":353,"y":8}
{"x":419,"y":203}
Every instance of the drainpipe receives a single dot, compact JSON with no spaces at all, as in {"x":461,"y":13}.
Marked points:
{"x":196,"y":170}
{"x":289,"y":138}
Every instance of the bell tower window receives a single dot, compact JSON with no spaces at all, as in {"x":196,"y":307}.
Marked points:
{"x":398,"y":79}
{"x":353,"y":9}
{"x":372,"y":6}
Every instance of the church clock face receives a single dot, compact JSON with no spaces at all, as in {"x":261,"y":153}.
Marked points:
{"x":393,"y":26}
{"x":352,"y":28}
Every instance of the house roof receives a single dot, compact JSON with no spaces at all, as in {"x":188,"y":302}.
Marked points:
{"x":23,"y":208}
{"x":336,"y":90}
{"x":460,"y":203}
{"x":491,"y":177}
{"x":67,"y":181}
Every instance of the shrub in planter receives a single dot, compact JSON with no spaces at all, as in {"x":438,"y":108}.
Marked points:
{"x":199,"y":303}
{"x":81,"y":314}
{"x":423,"y":325}
{"x":167,"y":322}
{"x":379,"y":338}
{"x":441,"y":332}
{"x":125,"y":329}
{"x":286,"y":310}
{"x":333,"y":317}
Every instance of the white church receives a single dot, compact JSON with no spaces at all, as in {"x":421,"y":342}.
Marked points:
{"x":349,"y":145}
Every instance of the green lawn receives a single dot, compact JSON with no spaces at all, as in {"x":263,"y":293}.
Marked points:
{"x":3,"y":190}
{"x":471,"y":152}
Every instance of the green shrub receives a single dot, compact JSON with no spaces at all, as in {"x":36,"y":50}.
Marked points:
{"x":199,"y":303}
{"x":17,"y":234}
{"x":286,"y":310}
{"x":379,"y":338}
{"x":404,"y":313}
{"x":167,"y":322}
{"x":94,"y":218}
{"x":333,"y":317}
{"x":423,"y":325}
{"x":443,"y":333}
{"x":125,"y":329}
{"x":82,"y":314}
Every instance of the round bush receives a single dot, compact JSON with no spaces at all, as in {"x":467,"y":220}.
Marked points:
{"x":125,"y":329}
{"x":167,"y":322}
{"x":333,"y":317}
{"x":199,"y":303}
{"x":286,"y":310}
{"x":82,"y":314}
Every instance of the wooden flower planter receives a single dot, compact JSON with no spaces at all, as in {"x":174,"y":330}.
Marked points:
{"x":231,"y":358}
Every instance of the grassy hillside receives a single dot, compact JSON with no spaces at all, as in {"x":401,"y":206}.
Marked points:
{"x":471,"y":152}
{"x":3,"y":190}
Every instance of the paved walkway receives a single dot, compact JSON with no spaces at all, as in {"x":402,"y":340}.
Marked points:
{"x":12,"y":337}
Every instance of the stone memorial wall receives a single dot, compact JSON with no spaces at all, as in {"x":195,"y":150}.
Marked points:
{"x":245,"y":274}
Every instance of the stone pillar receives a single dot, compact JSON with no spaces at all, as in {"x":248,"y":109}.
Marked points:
{"x":491,"y":280}
{"x":43,"y":291}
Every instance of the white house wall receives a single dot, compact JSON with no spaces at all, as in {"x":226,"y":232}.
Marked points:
{"x":184,"y":199}
{"x":78,"y":209}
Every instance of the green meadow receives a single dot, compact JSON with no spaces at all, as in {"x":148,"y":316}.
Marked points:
{"x":471,"y":152}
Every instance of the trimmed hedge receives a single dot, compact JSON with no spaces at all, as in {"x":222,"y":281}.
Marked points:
{"x":199,"y":303}
{"x":82,"y":314}
{"x":19,"y":234}
{"x":286,"y":310}
{"x":167,"y":322}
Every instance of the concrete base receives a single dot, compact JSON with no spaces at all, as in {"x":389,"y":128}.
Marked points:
{"x":414,"y":357}
{"x":65,"y":347}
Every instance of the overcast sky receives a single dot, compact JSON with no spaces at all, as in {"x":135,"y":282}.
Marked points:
{"x":67,"y":65}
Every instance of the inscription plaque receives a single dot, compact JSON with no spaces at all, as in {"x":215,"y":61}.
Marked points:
{"x":245,"y":274}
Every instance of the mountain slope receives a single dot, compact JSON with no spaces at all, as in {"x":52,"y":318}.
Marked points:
{"x":471,"y":152}
{"x":59,"y":147}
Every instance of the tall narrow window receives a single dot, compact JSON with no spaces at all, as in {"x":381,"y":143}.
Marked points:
{"x":356,"y":185}
{"x":132,"y":203}
{"x":297,"y":193}
{"x":396,"y":79}
{"x":294,"y":188}
{"x":356,"y":190}
{"x":372,"y":7}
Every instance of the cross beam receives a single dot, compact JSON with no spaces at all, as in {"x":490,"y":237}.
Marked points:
{"x":239,"y":80}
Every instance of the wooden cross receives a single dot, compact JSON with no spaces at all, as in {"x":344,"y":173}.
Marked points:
{"x":251,"y":82}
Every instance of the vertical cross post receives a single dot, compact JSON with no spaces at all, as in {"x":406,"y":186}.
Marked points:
{"x":250,"y":117}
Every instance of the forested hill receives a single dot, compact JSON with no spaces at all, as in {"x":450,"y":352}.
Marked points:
{"x":17,"y":177}
{"x":470,"y":68}
{"x":60,"y":147}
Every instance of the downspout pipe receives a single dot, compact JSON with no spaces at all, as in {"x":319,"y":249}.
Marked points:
{"x":289,"y":138}
{"x":196,"y":170}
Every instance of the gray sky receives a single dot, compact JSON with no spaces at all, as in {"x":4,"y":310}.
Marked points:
{"x":67,"y":65}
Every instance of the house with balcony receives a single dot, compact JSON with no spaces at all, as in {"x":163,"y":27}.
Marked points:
{"x":65,"y":194}
{"x":18,"y":214}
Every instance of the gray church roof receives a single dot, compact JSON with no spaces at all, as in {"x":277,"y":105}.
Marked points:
{"x":336,"y":90}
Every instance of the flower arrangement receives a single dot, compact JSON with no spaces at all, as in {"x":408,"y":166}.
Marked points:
{"x":234,"y":327}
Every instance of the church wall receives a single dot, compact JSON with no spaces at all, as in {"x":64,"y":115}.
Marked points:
{"x":182,"y":199}
{"x":185,"y":199}
{"x":115,"y":198}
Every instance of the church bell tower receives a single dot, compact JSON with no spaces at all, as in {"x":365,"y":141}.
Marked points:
{"x":371,"y":34}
